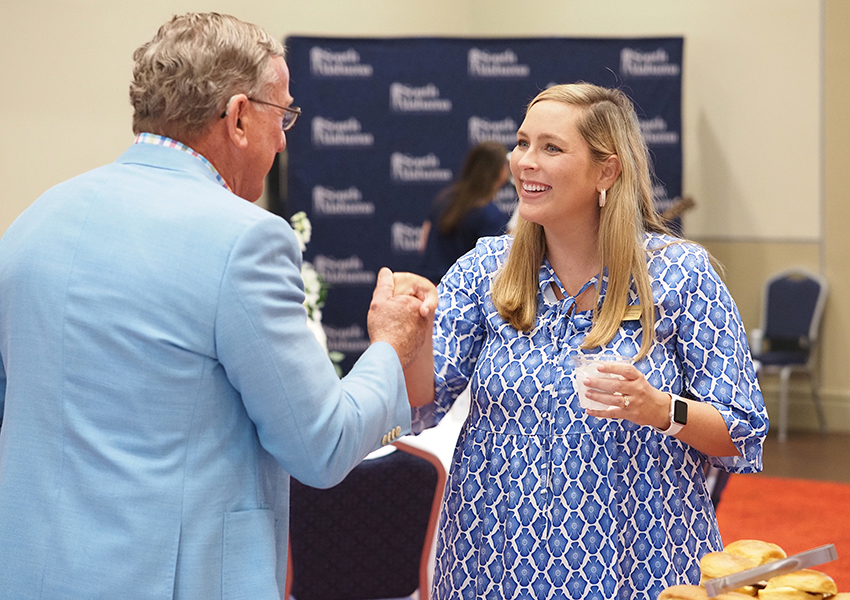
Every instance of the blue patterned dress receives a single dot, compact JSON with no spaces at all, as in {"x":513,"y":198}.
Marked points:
{"x":543,"y":501}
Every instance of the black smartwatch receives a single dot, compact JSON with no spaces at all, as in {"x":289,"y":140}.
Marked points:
{"x":678,"y":415}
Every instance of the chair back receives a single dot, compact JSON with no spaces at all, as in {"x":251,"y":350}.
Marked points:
{"x":370,"y":536}
{"x":793,"y":305}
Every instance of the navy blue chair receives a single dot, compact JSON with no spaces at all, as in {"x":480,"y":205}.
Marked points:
{"x":787,"y":341}
{"x":369,"y":537}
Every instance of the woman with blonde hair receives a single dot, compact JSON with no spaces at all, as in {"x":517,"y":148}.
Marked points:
{"x":545,"y":498}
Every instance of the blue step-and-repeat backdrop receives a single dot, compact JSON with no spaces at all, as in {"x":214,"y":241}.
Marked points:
{"x":387,"y":123}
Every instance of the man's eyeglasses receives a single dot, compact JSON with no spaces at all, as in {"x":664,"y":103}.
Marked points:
{"x":290,"y":113}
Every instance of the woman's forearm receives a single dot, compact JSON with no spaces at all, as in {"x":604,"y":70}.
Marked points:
{"x":419,"y":376}
{"x":707,"y":431}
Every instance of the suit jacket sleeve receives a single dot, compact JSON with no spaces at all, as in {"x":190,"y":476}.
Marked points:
{"x":2,"y":389}
{"x":317,"y":426}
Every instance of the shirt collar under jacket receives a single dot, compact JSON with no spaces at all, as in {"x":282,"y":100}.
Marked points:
{"x":161,"y":140}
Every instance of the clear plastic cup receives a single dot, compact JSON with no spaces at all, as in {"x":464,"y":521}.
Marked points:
{"x":586,"y":366}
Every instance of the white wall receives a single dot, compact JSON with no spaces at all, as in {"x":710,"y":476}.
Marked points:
{"x":752,"y":86}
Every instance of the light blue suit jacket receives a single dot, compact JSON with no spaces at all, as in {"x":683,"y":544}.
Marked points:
{"x":154,"y":355}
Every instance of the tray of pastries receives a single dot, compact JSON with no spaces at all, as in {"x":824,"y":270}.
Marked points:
{"x":748,"y":569}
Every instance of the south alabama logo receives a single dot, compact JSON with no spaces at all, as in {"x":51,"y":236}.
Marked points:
{"x":482,"y":63}
{"x":350,"y":132}
{"x":349,"y":202}
{"x":406,"y":168}
{"x":425,"y":99}
{"x":634,"y":63}
{"x":326,"y":63}
{"x":483,"y":130}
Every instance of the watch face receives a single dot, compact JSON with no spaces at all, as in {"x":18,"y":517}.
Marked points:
{"x":680,"y":412}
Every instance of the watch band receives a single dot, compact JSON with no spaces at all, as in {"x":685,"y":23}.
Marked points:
{"x":678,"y":415}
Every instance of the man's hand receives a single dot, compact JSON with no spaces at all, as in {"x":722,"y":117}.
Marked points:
{"x":418,"y":287}
{"x":403,"y":316}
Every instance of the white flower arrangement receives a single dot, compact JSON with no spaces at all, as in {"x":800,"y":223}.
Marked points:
{"x":303,"y":229}
{"x":315,"y":289}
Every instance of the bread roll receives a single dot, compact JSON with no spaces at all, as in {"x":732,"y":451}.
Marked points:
{"x":684,"y":592}
{"x":721,"y":564}
{"x":756,"y":550}
{"x":696,"y":592}
{"x":805,"y":580}
{"x":786,"y":593}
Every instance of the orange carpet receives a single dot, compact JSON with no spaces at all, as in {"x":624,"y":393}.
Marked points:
{"x":796,"y":514}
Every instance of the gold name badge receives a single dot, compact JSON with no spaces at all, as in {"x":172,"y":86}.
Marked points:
{"x":632,"y":313}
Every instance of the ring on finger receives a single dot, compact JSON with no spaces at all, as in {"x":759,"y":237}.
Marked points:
{"x":625,"y":401}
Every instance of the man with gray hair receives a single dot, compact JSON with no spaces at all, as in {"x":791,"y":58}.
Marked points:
{"x":158,"y":382}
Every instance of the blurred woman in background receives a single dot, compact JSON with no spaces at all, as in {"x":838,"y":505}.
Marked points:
{"x":465,"y":211}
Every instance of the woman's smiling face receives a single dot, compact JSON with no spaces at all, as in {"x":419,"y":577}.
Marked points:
{"x":555,"y":176}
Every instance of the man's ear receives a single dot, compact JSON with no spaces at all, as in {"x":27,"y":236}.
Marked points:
{"x":611,"y":169}
{"x":234,"y":118}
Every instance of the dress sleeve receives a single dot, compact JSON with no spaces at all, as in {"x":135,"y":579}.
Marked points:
{"x":458,"y":336}
{"x":712,"y":345}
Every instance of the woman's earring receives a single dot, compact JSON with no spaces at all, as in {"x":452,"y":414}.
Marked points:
{"x":602,"y":195}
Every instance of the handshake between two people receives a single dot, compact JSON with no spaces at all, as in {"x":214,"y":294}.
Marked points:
{"x":402,"y":313}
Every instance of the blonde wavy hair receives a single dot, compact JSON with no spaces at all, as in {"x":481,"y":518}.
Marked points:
{"x":184,"y":76}
{"x":609,"y":125}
